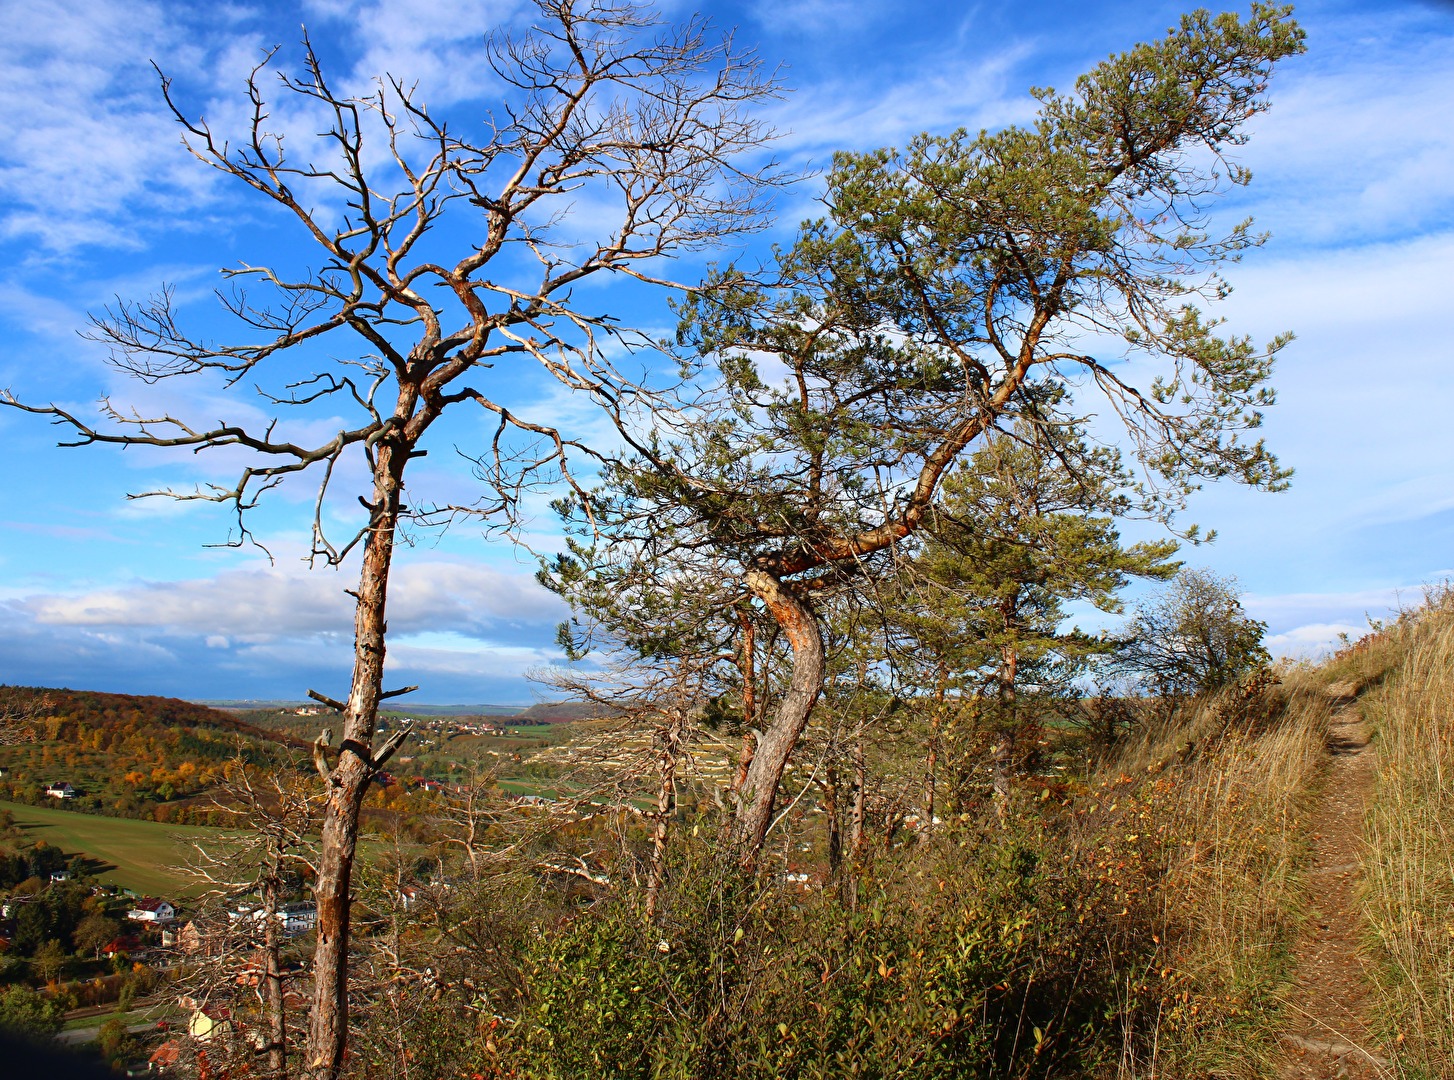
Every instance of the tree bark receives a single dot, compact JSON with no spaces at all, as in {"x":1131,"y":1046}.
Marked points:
{"x":272,"y":981}
{"x":1002,"y":757}
{"x":805,"y":640}
{"x":348,"y":782}
{"x":671,"y":736}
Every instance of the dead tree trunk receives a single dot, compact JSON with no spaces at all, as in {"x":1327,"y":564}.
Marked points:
{"x":349,"y":779}
{"x":672,"y":736}
{"x":775,"y":746}
{"x":275,"y":1023}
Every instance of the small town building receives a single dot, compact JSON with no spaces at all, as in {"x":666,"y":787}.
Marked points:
{"x":299,"y":917}
{"x":125,"y":945}
{"x":210,"y":1022}
{"x":151,"y":910}
{"x":166,"y":1058}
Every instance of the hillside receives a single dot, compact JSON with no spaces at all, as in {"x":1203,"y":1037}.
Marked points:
{"x":559,"y":712}
{"x":128,"y":755}
{"x":143,"y":856}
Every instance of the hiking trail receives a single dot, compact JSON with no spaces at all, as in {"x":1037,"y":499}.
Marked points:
{"x":1328,"y":1035}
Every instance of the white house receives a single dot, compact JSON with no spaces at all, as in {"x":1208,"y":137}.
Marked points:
{"x":299,"y":918}
{"x":61,"y":789}
{"x":151,"y":910}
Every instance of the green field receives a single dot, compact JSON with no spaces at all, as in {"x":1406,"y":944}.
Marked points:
{"x":140,"y":855}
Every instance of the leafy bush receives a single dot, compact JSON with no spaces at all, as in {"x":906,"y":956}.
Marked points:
{"x":1195,"y":638}
{"x":986,"y":954}
{"x":28,"y":1012}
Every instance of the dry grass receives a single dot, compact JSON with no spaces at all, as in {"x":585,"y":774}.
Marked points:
{"x":1230,"y":787}
{"x":1409,"y":863}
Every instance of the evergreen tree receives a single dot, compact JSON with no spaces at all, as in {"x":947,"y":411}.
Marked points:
{"x":1020,"y":531}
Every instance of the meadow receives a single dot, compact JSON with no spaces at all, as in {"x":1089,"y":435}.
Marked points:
{"x":144,"y":856}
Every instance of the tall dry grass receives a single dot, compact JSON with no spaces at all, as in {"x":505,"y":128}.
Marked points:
{"x":1229,"y":786}
{"x":1409,"y":860}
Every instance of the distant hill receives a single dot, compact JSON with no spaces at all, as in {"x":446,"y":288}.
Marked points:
{"x":249,"y":706}
{"x":129,"y":755}
{"x":560,"y":712}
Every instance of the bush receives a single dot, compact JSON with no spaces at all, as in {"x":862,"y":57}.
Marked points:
{"x":115,"y":1042}
{"x":1195,"y":639}
{"x":29,"y":1013}
{"x":982,"y":955}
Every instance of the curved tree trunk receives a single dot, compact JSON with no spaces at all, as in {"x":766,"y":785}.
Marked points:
{"x":348,"y":781}
{"x":776,"y":744}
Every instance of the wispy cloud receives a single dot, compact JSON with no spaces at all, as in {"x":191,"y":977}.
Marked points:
{"x":86,"y":144}
{"x":1356,"y":145}
{"x":266,"y":604}
{"x":817,"y":17}
{"x":1310,"y":624}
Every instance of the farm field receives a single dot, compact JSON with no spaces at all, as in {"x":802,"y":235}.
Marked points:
{"x":142,"y":855}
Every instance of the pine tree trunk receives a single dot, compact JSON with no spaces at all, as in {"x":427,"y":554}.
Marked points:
{"x":776,"y":744}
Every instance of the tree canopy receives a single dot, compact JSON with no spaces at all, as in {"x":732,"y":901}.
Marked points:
{"x":967,"y":284}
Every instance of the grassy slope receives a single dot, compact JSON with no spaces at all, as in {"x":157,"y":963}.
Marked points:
{"x":1409,"y":863}
{"x":142,"y":855}
{"x":1227,"y":790}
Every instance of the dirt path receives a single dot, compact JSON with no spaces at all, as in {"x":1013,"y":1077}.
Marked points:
{"x":1328,"y":1034}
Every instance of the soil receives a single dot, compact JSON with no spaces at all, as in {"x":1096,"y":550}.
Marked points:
{"x":1328,"y":1034}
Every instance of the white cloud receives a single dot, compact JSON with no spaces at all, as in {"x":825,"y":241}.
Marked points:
{"x":816,"y":17}
{"x":84,"y":134}
{"x":1357,"y":144}
{"x":1312,"y":641}
{"x":264,"y":605}
{"x":1293,"y":609}
{"x":1310,"y":624}
{"x":947,"y":91}
{"x":91,"y":155}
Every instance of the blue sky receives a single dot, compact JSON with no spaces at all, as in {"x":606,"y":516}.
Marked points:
{"x":1354,"y":177}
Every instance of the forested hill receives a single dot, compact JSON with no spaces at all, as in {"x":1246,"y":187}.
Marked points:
{"x":129,"y":755}
{"x":97,"y":709}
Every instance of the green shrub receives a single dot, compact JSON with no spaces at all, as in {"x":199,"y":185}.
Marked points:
{"x":28,"y":1012}
{"x":981,"y":955}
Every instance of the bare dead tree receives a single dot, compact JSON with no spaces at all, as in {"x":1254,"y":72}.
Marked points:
{"x":19,"y":710}
{"x":234,"y":947}
{"x":603,"y":104}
